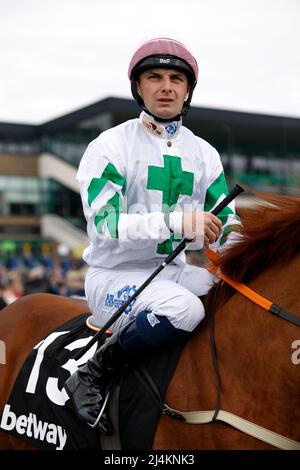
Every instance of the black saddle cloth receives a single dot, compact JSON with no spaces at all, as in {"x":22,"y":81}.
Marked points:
{"x":36,"y":410}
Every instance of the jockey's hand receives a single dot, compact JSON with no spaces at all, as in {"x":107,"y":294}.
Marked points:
{"x":202,"y":226}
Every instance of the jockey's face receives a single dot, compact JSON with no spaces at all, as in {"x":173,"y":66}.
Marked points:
{"x":163,"y":91}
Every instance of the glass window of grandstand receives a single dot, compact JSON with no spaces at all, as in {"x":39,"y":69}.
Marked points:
{"x":265,"y":171}
{"x":64,"y":203}
{"x":19,"y":195}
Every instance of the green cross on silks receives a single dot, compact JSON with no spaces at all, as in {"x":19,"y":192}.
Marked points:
{"x":173,"y":182}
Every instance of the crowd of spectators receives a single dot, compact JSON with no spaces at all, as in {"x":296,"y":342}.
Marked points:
{"x":50,"y":272}
{"x":59,"y":275}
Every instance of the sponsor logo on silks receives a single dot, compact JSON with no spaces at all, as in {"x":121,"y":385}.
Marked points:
{"x":122,"y":296}
{"x":154,"y":128}
{"x":171,"y":128}
{"x":33,"y":427}
{"x":152,"y":319}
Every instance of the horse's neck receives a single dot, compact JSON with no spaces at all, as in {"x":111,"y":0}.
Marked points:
{"x":254,"y":349}
{"x":258,"y":379}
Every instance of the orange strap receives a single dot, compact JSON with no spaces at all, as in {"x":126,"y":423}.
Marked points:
{"x":213,"y":256}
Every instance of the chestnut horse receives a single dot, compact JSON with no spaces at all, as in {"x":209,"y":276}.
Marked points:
{"x":256,"y":357}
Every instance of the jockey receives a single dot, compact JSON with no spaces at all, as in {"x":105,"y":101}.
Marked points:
{"x":145,"y":184}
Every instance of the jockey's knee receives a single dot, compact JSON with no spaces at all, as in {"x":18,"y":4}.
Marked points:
{"x":186,"y":312}
{"x":174,"y":318}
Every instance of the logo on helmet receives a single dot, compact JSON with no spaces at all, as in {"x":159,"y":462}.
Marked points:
{"x":164,"y":61}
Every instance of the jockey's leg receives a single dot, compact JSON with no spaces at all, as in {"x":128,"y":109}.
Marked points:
{"x":87,"y":387}
{"x":162,"y":313}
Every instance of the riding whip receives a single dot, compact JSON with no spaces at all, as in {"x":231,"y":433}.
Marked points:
{"x":232,"y":195}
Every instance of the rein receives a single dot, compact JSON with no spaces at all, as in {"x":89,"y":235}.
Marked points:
{"x":249,"y":293}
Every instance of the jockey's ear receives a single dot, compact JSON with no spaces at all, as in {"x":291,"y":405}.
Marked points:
{"x":188,"y":91}
{"x":138,"y":89}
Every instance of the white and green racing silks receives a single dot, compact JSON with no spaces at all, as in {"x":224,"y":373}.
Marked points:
{"x":214,"y":194}
{"x":173,"y":182}
{"x":111,"y":211}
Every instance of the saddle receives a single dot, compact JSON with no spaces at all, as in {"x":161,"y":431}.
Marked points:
{"x":37,"y":409}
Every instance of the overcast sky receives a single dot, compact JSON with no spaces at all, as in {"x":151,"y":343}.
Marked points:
{"x":57,"y":56}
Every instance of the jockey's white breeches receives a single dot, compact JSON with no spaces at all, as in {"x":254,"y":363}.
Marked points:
{"x":173,"y":293}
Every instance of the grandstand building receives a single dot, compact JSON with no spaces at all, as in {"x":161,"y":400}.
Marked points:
{"x":39,"y":199}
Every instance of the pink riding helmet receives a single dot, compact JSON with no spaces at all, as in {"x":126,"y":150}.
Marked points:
{"x":162,"y":47}
{"x":166,"y":53}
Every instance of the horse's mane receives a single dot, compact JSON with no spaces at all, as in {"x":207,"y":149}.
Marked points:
{"x":270,"y":234}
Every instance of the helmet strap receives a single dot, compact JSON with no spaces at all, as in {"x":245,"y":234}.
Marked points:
{"x":158,"y":119}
